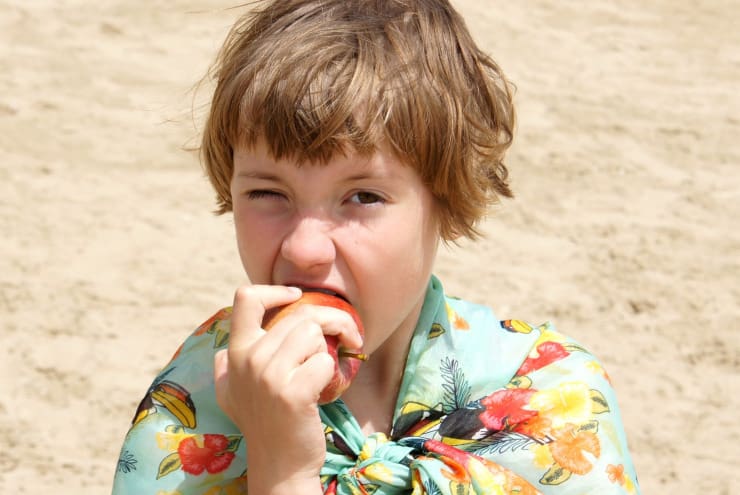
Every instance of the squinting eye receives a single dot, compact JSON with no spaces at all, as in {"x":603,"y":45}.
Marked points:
{"x":365,"y":198}
{"x":263,"y":193}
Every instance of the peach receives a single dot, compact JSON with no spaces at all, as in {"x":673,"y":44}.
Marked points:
{"x":346,"y":364}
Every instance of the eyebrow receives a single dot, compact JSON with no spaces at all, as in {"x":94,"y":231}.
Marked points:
{"x":257,"y":175}
{"x":363,"y":176}
{"x":367,"y":171}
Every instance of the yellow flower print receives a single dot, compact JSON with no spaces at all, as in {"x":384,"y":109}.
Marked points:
{"x":353,"y":490}
{"x":629,"y":486}
{"x":542,"y":456}
{"x":371,"y":445}
{"x":378,"y":471}
{"x":549,"y":336}
{"x":570,"y":402}
{"x":169,"y":441}
{"x":595,"y":367}
{"x":365,"y":453}
{"x":486,"y":480}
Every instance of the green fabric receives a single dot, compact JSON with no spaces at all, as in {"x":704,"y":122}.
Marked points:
{"x":485,"y":406}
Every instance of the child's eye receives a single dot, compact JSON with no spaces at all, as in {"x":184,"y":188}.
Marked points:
{"x":366,"y":198}
{"x":263,"y":193}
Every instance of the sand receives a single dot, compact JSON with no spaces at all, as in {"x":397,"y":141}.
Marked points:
{"x":624,"y":231}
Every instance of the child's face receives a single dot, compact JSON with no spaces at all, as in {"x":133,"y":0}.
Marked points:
{"x":362,"y":227}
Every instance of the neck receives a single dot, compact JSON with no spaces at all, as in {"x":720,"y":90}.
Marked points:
{"x":372,"y":396}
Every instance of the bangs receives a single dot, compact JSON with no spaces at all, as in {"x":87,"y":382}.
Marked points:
{"x":312,"y":100}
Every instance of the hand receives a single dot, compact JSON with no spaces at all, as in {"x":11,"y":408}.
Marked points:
{"x":268,"y":383}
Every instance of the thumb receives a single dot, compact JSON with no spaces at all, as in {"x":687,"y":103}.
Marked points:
{"x":221,"y":380}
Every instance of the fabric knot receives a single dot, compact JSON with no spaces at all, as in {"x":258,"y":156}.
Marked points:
{"x":377,"y":462}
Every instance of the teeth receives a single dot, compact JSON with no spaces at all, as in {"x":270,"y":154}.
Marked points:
{"x":318,"y":289}
{"x":323,"y":291}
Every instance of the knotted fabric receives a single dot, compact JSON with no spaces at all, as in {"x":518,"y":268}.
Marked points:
{"x":485,"y":407}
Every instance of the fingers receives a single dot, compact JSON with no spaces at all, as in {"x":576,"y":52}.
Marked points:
{"x":297,"y":337}
{"x":294,"y":364}
{"x":310,"y":379}
{"x":288,"y":362}
{"x":250,"y":304}
{"x":333,"y":321}
{"x":338,"y":323}
{"x":297,"y":370}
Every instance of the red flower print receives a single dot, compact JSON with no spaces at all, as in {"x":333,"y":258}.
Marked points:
{"x":547,"y":352}
{"x":506,"y":407}
{"x":208,"y":453}
{"x":454,"y":458}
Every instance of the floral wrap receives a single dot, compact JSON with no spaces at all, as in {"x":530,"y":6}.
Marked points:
{"x":485,"y":407}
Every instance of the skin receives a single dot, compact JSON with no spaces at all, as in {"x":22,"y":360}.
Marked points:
{"x":364,"y":227}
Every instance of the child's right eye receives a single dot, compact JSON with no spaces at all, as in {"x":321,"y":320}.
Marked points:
{"x":263,"y":193}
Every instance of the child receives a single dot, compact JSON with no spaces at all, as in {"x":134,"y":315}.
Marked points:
{"x":349,"y":137}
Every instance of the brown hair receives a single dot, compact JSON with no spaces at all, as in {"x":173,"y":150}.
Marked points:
{"x":318,"y":77}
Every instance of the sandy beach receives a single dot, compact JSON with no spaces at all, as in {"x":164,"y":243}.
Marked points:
{"x":624,"y":231}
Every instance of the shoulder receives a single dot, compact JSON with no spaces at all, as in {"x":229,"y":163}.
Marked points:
{"x":516,"y":346}
{"x":470,"y":337}
{"x":186,"y":384}
{"x":462,"y":313}
{"x":178,"y":421}
{"x":211,"y":334}
{"x":485,"y":327}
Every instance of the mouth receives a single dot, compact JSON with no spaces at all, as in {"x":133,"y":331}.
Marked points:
{"x":323,"y":291}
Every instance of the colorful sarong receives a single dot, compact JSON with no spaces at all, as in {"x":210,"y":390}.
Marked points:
{"x":485,"y":407}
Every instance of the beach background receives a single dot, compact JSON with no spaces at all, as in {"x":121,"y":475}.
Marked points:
{"x":624,"y":231}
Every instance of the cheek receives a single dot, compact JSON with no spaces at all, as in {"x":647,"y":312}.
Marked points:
{"x":392,"y":272}
{"x":410,"y":261}
{"x":258,"y":243}
{"x":402,"y":246}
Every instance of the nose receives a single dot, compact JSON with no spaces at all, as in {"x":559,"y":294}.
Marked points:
{"x":309,"y":244}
